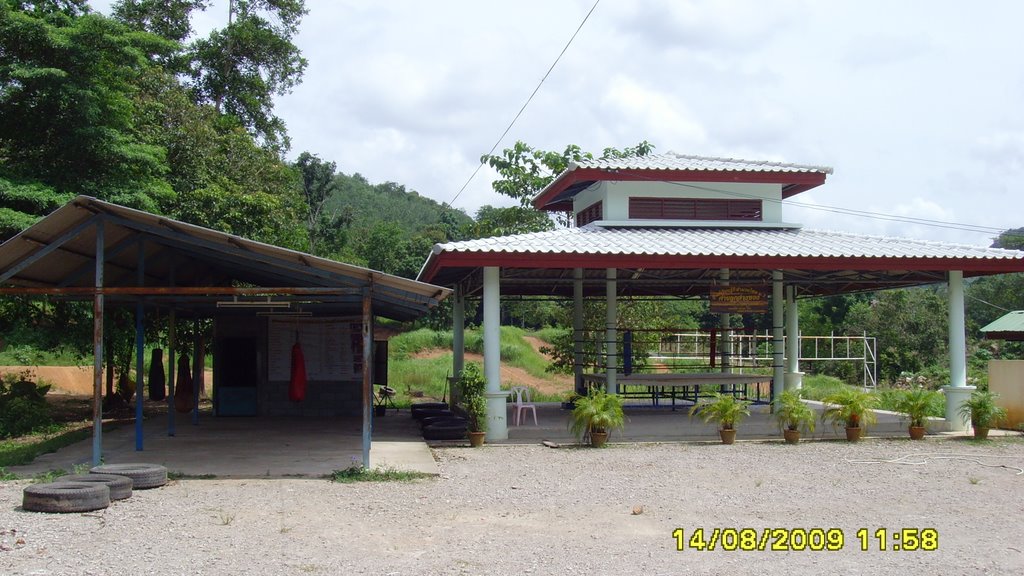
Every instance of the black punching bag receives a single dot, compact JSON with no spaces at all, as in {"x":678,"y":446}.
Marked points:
{"x":157,"y":378}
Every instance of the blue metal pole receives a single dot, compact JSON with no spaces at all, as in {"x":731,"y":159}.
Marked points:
{"x":140,"y":351}
{"x":367,"y":374}
{"x":197,"y":370}
{"x":171,"y":368}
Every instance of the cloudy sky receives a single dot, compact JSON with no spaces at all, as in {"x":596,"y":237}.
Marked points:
{"x":916,"y":105}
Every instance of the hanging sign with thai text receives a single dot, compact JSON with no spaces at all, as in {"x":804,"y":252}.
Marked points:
{"x":738,"y":300}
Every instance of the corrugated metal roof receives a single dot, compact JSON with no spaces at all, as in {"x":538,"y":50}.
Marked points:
{"x":59,"y":251}
{"x":674,"y":161}
{"x":1011,"y":322}
{"x":596,"y":240}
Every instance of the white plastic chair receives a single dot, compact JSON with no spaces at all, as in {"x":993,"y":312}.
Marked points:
{"x":522,"y":402}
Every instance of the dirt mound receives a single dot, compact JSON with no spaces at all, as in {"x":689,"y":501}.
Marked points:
{"x":66,"y":379}
{"x":555,"y":384}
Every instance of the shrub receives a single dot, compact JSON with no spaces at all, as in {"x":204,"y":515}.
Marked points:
{"x":23,"y":408}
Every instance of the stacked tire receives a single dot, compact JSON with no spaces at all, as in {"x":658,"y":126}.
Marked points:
{"x":93,"y":491}
{"x":438,"y":422}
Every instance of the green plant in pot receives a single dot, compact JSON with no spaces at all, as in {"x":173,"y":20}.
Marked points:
{"x":595,"y":416}
{"x":471,"y":387}
{"x":793,"y":415}
{"x":915,"y":405}
{"x":982,"y":412}
{"x":726,"y":410}
{"x":852,"y":408}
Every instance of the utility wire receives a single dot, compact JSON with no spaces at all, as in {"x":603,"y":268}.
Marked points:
{"x":525,"y":104}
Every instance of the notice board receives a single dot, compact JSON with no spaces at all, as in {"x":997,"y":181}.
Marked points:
{"x":333,"y":347}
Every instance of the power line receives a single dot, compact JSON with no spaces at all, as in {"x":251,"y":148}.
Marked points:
{"x":525,"y":104}
{"x":850,"y":211}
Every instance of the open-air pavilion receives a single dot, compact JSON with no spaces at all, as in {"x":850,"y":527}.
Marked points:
{"x":680,"y":226}
{"x":263,"y":300}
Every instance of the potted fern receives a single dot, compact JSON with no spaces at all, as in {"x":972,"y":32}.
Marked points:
{"x":853,"y":408}
{"x":595,"y":416}
{"x":915,"y":405}
{"x":982,"y":412}
{"x":726,"y":410}
{"x":793,"y":416}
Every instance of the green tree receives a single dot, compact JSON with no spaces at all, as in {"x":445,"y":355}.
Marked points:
{"x":910,"y":326}
{"x":241,"y":67}
{"x":327,"y":230}
{"x":524,"y":171}
{"x":69,"y":84}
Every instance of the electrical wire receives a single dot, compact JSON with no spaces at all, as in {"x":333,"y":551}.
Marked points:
{"x":525,"y":104}
{"x":848,"y":211}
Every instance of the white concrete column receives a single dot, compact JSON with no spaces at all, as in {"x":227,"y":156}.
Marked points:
{"x":577,"y":328}
{"x":725,"y":336}
{"x":458,"y":336}
{"x":610,"y":335}
{"x":778,"y":369}
{"x":497,"y":426}
{"x":958,"y":391}
{"x":794,"y":377}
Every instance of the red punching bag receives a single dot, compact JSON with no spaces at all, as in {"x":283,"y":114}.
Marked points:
{"x":297,"y":386}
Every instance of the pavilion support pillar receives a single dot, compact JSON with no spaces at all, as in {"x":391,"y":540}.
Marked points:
{"x":778,"y":368}
{"x":140,"y":347}
{"x":958,"y":391}
{"x":198,"y":366}
{"x":367,"y":373}
{"x":610,"y":333}
{"x":577,"y":329}
{"x":497,"y":425}
{"x":725,"y":336}
{"x":458,"y":341}
{"x":97,"y":349}
{"x":172,"y":368}
{"x":794,"y":377}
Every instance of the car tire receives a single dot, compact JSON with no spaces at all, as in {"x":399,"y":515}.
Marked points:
{"x":120,"y":486}
{"x":65,"y":497}
{"x":144,"y":476}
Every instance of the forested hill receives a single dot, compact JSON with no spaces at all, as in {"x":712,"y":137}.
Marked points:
{"x":368,"y":204}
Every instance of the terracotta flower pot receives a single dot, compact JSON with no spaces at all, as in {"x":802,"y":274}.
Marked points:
{"x":728,"y":435}
{"x":476,"y":439}
{"x":853,"y":434}
{"x":916,"y":432}
{"x":598,"y":439}
{"x":791,"y":436}
{"x":980,"y":432}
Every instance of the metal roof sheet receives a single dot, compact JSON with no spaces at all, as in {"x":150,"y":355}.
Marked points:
{"x":675,"y":161}
{"x":1011,"y":322}
{"x":596,"y":240}
{"x":58,"y":252}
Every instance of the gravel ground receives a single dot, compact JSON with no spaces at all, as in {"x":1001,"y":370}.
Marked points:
{"x":535,"y":510}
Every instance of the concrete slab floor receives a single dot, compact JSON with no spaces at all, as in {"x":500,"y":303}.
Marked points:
{"x":253,"y":447}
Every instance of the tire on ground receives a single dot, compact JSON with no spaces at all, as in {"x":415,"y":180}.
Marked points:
{"x":66,"y":497}
{"x":120,"y":486}
{"x":143,"y":475}
{"x":445,"y":431}
{"x":415,"y":409}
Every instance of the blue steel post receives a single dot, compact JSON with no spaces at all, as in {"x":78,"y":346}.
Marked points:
{"x":97,"y":351}
{"x":140,"y":352}
{"x":197,"y":369}
{"x":171,"y":369}
{"x":367,"y":373}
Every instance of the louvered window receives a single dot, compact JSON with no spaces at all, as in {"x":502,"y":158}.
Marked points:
{"x":589,"y":214}
{"x":693,"y":209}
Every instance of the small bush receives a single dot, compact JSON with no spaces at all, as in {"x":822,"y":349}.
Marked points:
{"x":23,"y":408}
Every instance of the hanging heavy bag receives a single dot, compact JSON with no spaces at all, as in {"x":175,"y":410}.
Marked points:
{"x":183,"y":396}
{"x":297,"y":385}
{"x":157,"y":378}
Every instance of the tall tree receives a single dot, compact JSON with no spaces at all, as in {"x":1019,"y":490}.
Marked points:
{"x":327,"y":229}
{"x":241,"y":67}
{"x":69,"y":83}
{"x":524,"y":171}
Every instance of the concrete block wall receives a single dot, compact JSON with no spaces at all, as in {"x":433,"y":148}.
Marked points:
{"x":323,"y":400}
